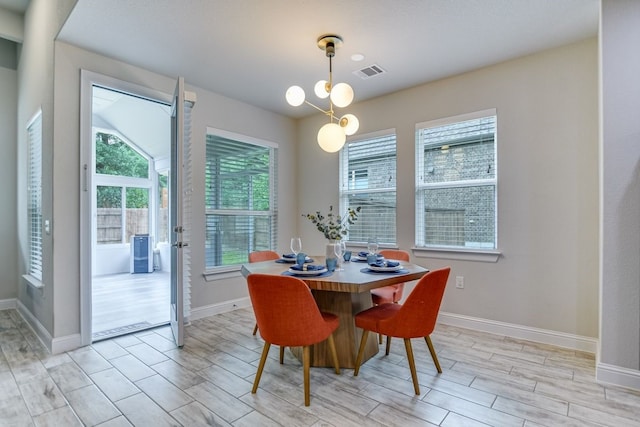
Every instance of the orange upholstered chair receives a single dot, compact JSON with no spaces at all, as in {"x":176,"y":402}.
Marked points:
{"x":391,"y":293}
{"x":416,"y":318}
{"x":258,"y":256}
{"x":288,"y":316}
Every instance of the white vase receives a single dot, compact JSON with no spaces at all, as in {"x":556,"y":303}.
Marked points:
{"x":330,"y":249}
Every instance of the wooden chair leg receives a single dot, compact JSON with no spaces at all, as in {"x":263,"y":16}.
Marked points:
{"x":412,"y":365}
{"x":433,"y":353}
{"x":306,"y":362}
{"x":255,"y":329}
{"x":334,"y":354}
{"x":379,"y":338}
{"x":363,"y":342}
{"x":281,"y":354}
{"x":263,"y":358}
{"x":386,"y":351}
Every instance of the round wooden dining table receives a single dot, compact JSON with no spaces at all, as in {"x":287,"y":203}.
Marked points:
{"x":344,"y":293}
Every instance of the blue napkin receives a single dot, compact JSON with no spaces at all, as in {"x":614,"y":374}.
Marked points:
{"x":385,"y":264}
{"x":307,"y":267}
{"x":364,"y":254}
{"x":292,"y":256}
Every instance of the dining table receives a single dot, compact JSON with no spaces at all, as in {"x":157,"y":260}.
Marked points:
{"x":345,"y":293}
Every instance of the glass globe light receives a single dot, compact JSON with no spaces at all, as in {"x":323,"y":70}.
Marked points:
{"x":331,"y":137}
{"x":341,"y":95}
{"x":321,"y":89}
{"x":295,"y":96}
{"x":349,"y":124}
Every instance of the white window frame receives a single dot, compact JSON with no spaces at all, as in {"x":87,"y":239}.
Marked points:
{"x":34,"y":200}
{"x":421,"y":248}
{"x":222,"y":271}
{"x":125,"y":182}
{"x":345,"y":190}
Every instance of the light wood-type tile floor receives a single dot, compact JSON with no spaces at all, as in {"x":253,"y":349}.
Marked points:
{"x":122,"y":303}
{"x":143,"y":380}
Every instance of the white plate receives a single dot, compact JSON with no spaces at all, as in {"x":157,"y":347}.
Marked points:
{"x":359,"y":258}
{"x":293,"y":260}
{"x":375,"y":268}
{"x":308,"y":272}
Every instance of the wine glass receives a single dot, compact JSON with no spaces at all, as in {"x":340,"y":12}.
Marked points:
{"x":338,"y":249}
{"x":372,"y":245}
{"x":296,"y":245}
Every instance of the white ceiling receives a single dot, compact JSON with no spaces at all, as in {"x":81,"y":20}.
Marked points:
{"x":252,"y":50}
{"x":144,"y":123}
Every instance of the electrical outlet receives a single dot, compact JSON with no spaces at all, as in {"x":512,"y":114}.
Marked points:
{"x":460,"y":282}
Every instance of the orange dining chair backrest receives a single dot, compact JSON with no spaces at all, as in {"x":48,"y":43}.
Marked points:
{"x":286,"y":312}
{"x":391,"y":293}
{"x":397,"y":254}
{"x":258,"y":256}
{"x":288,"y":316}
{"x":418,"y":314}
{"x":415,"y":318}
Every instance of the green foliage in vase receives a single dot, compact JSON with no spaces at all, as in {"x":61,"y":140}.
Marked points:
{"x":334,"y":227}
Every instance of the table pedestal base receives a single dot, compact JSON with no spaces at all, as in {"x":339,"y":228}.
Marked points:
{"x":345,"y":305}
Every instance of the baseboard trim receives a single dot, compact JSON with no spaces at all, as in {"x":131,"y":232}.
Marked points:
{"x":54,"y":345}
{"x":574,"y":342}
{"x":66,"y":343}
{"x":7,"y":304}
{"x":213,"y":309}
{"x":41,"y":332}
{"x":618,"y":376}
{"x":545,"y":336}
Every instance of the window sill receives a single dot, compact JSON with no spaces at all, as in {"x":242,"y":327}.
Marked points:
{"x":33,"y":282}
{"x":458,"y":254}
{"x":222,"y":273}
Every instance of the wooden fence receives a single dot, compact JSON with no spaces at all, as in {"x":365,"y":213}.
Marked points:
{"x":109,"y":224}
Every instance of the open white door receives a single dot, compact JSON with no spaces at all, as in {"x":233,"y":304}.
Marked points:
{"x":180,"y":200}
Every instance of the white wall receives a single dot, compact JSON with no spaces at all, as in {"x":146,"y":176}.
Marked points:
{"x":619,"y":358}
{"x":210,"y":110}
{"x":547,"y":276}
{"x":8,"y":235}
{"x":42,"y":21}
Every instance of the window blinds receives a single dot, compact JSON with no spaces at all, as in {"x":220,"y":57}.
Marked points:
{"x":187,"y":214}
{"x":34,"y":195}
{"x":368,"y":180}
{"x":240,"y":200}
{"x":456,"y":178}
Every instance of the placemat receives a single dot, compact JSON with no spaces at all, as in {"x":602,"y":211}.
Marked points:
{"x":325,"y":274}
{"x":367,"y":271}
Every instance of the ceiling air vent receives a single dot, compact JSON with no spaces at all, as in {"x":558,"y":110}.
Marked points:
{"x":370,"y":71}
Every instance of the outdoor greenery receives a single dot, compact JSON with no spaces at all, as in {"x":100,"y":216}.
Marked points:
{"x":116,"y":157}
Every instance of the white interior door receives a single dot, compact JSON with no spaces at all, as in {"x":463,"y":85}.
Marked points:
{"x":180,"y":200}
{"x":110,"y":109}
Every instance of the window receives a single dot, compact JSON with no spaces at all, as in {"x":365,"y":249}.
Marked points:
{"x":456,"y":178}
{"x":368,"y":180}
{"x":115,"y":157}
{"x":117,"y":225}
{"x":240,"y":198}
{"x":34,"y":195}
{"x":123,"y":190}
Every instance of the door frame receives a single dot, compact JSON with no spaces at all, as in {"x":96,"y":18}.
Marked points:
{"x":87,"y":80}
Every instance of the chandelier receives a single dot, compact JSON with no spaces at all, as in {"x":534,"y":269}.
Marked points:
{"x":331,"y":136}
